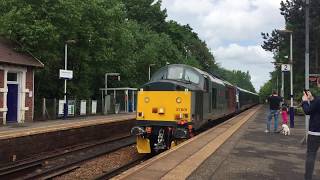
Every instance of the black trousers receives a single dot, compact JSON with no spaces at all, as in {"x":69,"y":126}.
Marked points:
{"x":313,"y":145}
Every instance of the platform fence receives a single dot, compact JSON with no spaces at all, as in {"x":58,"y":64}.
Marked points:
{"x":49,"y":109}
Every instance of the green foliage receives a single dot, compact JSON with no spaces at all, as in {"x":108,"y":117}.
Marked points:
{"x":111,"y":36}
{"x":265,"y":91}
{"x":294,"y":15}
{"x":238,"y":78}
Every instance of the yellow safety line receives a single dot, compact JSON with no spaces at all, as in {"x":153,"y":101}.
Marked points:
{"x":149,"y":162}
{"x":186,"y":168}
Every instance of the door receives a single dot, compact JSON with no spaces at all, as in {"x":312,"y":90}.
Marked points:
{"x":12,"y":103}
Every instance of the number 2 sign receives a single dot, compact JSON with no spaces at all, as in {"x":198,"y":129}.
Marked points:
{"x":285,"y":67}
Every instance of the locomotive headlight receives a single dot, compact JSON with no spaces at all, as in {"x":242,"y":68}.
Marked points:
{"x":146,"y":99}
{"x":178,"y":100}
{"x":161,"y":110}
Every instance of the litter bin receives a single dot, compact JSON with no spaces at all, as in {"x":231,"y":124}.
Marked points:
{"x":116,"y":108}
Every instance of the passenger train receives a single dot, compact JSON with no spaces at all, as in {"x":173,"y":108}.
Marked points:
{"x":180,"y":99}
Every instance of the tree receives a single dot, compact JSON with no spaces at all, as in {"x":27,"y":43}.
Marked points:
{"x":293,"y":12}
{"x":111,"y":36}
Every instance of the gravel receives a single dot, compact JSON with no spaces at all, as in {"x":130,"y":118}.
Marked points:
{"x":102,"y":164}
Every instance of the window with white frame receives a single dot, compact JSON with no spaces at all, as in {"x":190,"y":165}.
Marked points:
{"x":12,"y":77}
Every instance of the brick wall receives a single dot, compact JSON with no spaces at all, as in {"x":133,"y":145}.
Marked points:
{"x":29,"y":85}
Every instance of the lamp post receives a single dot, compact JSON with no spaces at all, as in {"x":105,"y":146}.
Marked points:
{"x":150,"y":70}
{"x":291,"y":84}
{"x":276,"y":64}
{"x":282,"y":80}
{"x":291,"y":78}
{"x":307,"y":61}
{"x":65,"y":105}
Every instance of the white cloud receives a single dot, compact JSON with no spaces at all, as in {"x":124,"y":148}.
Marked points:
{"x":246,"y":58}
{"x":232,"y":27}
{"x":190,"y":6}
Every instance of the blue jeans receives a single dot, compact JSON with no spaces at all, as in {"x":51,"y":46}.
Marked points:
{"x":274,"y":113}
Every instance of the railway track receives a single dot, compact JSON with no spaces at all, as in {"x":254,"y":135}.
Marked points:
{"x":58,"y":163}
{"x":116,"y":171}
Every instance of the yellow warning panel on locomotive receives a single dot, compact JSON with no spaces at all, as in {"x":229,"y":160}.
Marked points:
{"x":143,"y":145}
{"x":164,"y":105}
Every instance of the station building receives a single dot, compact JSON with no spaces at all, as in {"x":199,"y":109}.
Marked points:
{"x":16,"y":84}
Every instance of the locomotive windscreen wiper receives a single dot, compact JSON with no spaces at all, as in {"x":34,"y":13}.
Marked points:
{"x":189,"y":82}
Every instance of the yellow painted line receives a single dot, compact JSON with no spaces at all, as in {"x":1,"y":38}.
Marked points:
{"x":149,"y":162}
{"x":162,"y":155}
{"x":63,"y":126}
{"x":186,"y":168}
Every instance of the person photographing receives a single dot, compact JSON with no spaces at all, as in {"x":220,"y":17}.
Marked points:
{"x":311,"y":106}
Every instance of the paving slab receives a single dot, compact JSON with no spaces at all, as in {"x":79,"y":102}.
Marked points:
{"x":252,"y":154}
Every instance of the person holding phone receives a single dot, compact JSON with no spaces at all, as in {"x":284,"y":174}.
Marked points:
{"x":311,"y":106}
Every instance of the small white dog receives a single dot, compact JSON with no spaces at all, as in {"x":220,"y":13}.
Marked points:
{"x":285,"y":130}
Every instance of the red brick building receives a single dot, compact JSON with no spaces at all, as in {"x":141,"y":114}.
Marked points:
{"x":16,"y":84}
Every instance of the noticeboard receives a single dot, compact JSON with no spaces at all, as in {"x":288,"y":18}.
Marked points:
{"x":71,"y":106}
{"x":94,"y":107}
{"x":83,"y":107}
{"x":65,"y":74}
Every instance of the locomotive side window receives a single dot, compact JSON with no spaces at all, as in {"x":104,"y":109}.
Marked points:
{"x":214,"y":98}
{"x":206,"y":85}
{"x":191,"y":76}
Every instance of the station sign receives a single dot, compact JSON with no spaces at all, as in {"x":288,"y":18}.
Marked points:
{"x":315,"y":78}
{"x":285,"y":67}
{"x":65,"y":74}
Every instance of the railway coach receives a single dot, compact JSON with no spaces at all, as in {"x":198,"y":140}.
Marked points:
{"x":180,"y":99}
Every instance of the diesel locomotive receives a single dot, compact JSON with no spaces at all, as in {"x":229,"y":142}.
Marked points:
{"x":180,"y":99}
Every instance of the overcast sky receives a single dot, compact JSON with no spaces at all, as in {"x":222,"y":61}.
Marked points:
{"x":232,"y":28}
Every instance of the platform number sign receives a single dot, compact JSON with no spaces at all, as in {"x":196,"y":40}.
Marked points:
{"x":285,"y":67}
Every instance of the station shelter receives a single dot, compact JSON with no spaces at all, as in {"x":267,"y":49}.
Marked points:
{"x":16,"y":83}
{"x":118,"y":99}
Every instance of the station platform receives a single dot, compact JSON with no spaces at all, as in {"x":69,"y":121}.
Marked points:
{"x":23,"y":141}
{"x":236,"y":149}
{"x":31,"y":128}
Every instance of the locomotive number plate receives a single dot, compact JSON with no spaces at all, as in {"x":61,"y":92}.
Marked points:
{"x":182,"y":109}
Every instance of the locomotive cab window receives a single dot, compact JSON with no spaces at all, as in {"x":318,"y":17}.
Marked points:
{"x":191,"y":76}
{"x":160,"y":75}
{"x":175,"y":73}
